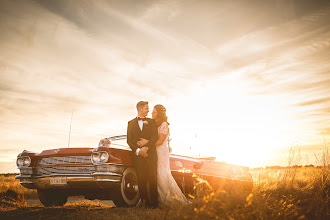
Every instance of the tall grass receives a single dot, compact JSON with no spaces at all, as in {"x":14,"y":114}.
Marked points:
{"x":294,"y":192}
{"x":8,"y":182}
{"x":12,"y":194}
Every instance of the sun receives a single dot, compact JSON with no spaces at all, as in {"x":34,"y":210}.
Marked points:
{"x":254,"y":133}
{"x":234,"y":126}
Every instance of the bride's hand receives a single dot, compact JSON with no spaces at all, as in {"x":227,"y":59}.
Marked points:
{"x":142,"y":142}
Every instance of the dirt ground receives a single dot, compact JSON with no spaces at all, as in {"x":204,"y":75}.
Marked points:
{"x":79,"y":208}
{"x":71,"y":199}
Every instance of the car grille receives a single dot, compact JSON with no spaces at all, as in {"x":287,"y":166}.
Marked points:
{"x":65,"y":160}
{"x":41,"y":171}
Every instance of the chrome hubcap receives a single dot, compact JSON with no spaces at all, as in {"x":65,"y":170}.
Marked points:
{"x":130,"y":186}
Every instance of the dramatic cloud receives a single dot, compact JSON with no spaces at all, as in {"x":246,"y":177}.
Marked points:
{"x":231,"y":74}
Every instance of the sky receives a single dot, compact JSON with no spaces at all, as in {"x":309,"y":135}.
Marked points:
{"x":242,"y":81}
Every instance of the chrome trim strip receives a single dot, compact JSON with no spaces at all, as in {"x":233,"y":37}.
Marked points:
{"x":70,"y":175}
{"x":87,"y":181}
{"x":117,"y":164}
{"x":233,"y":178}
{"x":26,"y":182}
{"x":107,"y":180}
{"x":185,"y":158}
{"x":64,"y":175}
{"x":80,"y":179}
{"x":118,"y":137}
{"x":22,"y":176}
{"x":105,"y":174}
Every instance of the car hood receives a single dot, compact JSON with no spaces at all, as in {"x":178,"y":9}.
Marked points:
{"x":59,"y":152}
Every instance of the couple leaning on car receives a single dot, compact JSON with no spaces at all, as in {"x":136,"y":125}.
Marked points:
{"x":148,"y":137}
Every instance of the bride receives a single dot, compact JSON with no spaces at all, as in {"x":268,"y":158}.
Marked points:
{"x":168,"y":190}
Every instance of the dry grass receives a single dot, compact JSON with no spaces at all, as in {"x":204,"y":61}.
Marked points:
{"x":294,"y":192}
{"x":288,"y":193}
{"x":12,"y":194}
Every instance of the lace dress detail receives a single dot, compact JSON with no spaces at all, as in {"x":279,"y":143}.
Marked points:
{"x":169,"y":192}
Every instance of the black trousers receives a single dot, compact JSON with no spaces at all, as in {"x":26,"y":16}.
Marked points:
{"x":146,"y":170}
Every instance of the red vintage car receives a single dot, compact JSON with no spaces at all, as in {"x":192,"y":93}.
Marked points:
{"x":108,"y":173}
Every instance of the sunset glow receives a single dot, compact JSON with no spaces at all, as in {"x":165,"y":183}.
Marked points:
{"x":243,"y":82}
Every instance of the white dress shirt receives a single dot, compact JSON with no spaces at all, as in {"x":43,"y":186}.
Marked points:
{"x":140,"y":124}
{"x":141,"y":127}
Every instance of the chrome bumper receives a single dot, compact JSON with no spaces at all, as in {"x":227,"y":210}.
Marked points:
{"x":94,"y":180}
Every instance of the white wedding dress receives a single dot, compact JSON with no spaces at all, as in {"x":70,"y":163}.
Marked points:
{"x":169,"y":192}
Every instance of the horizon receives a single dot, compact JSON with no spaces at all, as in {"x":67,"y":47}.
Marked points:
{"x":242,"y":81}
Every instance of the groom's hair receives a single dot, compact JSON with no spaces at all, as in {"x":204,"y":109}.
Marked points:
{"x":140,"y":104}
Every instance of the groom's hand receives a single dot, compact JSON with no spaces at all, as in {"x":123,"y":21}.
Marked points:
{"x":142,"y":142}
{"x":143,"y":151}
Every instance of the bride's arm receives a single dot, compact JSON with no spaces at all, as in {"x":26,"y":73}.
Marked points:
{"x":161,"y":139}
{"x":163,"y":132}
{"x":161,"y":136}
{"x":159,"y":142}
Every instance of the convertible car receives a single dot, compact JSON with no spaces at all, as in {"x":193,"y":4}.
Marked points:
{"x":107,"y":172}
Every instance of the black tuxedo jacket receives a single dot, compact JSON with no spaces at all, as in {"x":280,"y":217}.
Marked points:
{"x":149,"y":132}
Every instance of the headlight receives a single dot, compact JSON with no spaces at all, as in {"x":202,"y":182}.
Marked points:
{"x":26,"y":161}
{"x":95,"y":157}
{"x":23,"y":161}
{"x":19,"y":162}
{"x":100,"y":157}
{"x":104,"y":156}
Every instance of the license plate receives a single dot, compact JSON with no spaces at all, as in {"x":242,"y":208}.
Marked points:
{"x":58,"y":180}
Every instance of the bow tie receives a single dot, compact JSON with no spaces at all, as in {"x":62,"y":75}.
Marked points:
{"x":143,"y":119}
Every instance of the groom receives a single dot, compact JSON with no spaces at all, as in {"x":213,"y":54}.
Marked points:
{"x":145,"y":158}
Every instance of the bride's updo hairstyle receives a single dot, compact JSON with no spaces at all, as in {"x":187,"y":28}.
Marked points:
{"x":161,"y":115}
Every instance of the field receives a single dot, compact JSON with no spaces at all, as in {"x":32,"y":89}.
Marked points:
{"x":294,"y":192}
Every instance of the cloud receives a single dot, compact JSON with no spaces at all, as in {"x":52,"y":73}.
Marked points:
{"x":315,"y":101}
{"x":100,"y":58}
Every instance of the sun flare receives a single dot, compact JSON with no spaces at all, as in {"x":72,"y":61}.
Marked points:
{"x":235,"y":127}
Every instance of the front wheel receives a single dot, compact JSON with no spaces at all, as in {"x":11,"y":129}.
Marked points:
{"x":50,"y":197}
{"x":128,"y":195}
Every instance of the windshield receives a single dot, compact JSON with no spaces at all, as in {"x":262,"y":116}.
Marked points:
{"x":119,"y":142}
